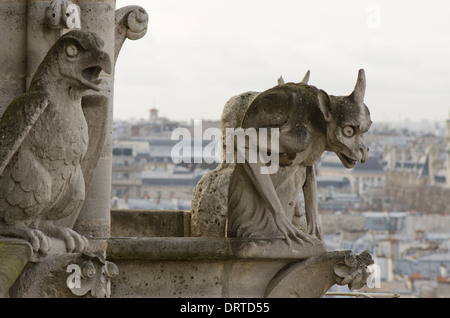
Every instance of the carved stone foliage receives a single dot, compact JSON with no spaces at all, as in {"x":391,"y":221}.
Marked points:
{"x":240,"y":199}
{"x":353,"y":270}
{"x":66,"y":275}
{"x":314,"y":276}
{"x":63,"y":14}
{"x":92,"y":275}
{"x":131,"y":23}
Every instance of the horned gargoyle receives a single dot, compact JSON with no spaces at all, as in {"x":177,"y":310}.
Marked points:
{"x":237,"y":200}
{"x":46,"y":147}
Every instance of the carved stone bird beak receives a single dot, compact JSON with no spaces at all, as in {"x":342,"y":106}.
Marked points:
{"x":91,"y":73}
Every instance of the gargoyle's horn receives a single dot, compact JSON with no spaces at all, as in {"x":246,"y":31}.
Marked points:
{"x":305,"y":79}
{"x":360,"y":87}
{"x":280,"y":80}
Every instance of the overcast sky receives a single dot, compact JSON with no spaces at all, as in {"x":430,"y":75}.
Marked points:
{"x":199,"y":53}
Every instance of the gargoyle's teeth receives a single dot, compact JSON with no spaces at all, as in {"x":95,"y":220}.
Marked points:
{"x":91,"y":74}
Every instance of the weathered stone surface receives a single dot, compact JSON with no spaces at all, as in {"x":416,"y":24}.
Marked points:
{"x":145,"y":223}
{"x":229,"y":267}
{"x":202,"y":248}
{"x":63,"y":14}
{"x":314,"y":276}
{"x":14,"y":255}
{"x":45,"y":139}
{"x":96,"y":223}
{"x":131,"y":23}
{"x":13,"y":61}
{"x":241,"y":200}
{"x":56,"y":178}
{"x":168,"y":279}
{"x":66,"y":275}
{"x":198,"y":267}
{"x":210,"y":203}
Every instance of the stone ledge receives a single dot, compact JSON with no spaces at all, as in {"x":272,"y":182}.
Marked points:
{"x":206,"y":248}
{"x":150,"y":223}
{"x":14,"y":255}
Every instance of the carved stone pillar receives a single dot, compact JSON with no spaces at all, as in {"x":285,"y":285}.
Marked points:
{"x":13,"y":52}
{"x":94,"y":218}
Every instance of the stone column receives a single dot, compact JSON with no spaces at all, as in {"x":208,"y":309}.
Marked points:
{"x":94,"y":219}
{"x":13,"y":52}
{"x":40,"y":37}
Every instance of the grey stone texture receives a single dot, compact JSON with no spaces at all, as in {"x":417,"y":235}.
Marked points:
{"x":239,"y":200}
{"x":14,"y":255}
{"x":197,"y":267}
{"x":42,"y":182}
{"x":13,"y":59}
{"x":315,"y":275}
{"x":145,"y":223}
{"x":52,"y":276}
{"x":228,"y":267}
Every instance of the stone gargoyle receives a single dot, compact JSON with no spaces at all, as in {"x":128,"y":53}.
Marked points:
{"x":237,"y":200}
{"x":49,"y":143}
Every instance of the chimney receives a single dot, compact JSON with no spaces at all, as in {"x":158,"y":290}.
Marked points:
{"x":153,"y":114}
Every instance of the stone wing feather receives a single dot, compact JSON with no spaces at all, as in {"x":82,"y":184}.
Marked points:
{"x":17,"y":121}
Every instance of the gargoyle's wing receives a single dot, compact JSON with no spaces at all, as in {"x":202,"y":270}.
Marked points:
{"x":17,"y":121}
{"x":271,"y":108}
{"x":95,"y":108}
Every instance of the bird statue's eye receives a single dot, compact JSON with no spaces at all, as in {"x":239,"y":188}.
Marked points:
{"x":72,"y":50}
{"x":348,"y":131}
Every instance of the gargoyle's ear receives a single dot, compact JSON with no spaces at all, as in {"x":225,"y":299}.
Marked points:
{"x":305,"y":79}
{"x":280,"y":80}
{"x":324,"y":105}
{"x":360,"y":87}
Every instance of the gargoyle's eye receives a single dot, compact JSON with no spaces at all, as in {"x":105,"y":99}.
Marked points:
{"x":348,"y":131}
{"x":72,"y":50}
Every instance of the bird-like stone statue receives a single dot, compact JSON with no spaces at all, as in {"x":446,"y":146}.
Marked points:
{"x":44,"y":139}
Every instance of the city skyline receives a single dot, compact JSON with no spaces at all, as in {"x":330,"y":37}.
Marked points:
{"x":198,"y":54}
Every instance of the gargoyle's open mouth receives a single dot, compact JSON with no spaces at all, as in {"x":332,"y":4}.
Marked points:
{"x":346,"y":161}
{"x":91,"y":74}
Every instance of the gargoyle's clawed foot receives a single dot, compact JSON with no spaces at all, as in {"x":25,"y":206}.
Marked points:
{"x":75,"y":242}
{"x":299,"y":238}
{"x":315,"y":232}
{"x":293,"y":234}
{"x":38,"y":240}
